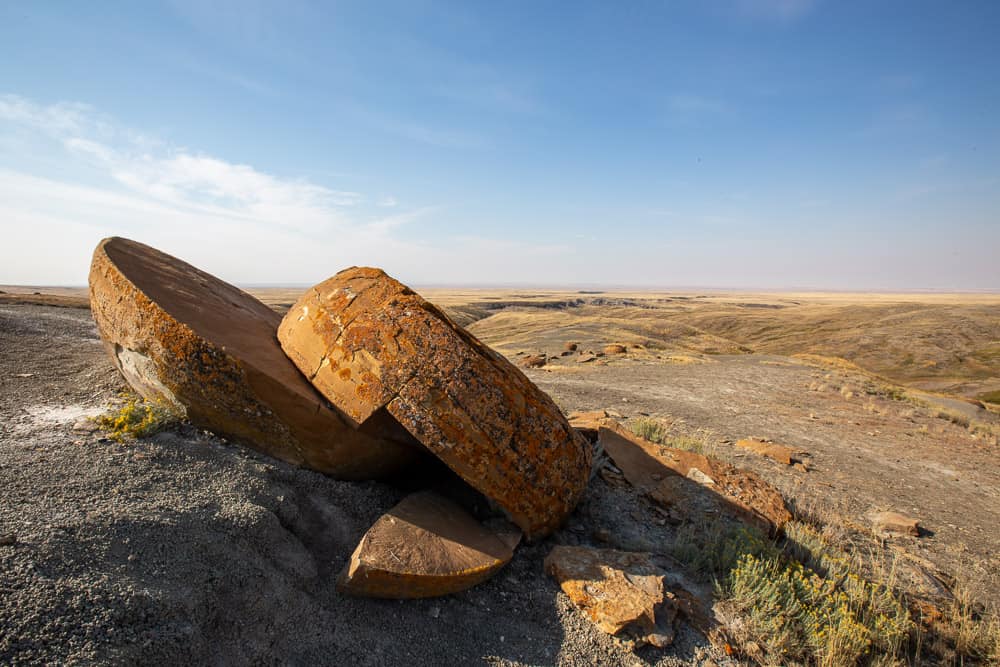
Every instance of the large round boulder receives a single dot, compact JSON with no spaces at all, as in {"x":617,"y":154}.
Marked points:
{"x":368,"y":343}
{"x":207,"y":351}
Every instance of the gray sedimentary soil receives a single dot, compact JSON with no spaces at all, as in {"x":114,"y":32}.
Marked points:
{"x":184,"y":549}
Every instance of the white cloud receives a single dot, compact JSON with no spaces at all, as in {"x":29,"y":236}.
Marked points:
{"x":235,"y":220}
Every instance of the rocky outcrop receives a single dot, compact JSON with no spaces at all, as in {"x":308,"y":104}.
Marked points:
{"x":207,"y":351}
{"x":426,"y":546}
{"x":676,"y":478}
{"x":370,"y":345}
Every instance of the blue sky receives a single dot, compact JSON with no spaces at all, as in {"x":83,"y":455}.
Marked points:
{"x":734,"y":143}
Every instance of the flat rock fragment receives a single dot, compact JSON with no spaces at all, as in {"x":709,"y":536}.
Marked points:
{"x":678,"y":478}
{"x":619,"y":591}
{"x":371,"y":344}
{"x":426,"y":546}
{"x":895,"y":523}
{"x":780,"y":453}
{"x":207,"y":351}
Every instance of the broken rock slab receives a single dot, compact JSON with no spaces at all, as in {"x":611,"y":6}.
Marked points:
{"x":426,"y":546}
{"x":207,"y":351}
{"x":587,"y":422}
{"x":621,"y":592}
{"x":676,"y":478}
{"x":369,"y":344}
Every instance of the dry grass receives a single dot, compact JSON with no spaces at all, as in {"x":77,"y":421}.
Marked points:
{"x":826,"y":595}
{"x":964,"y":632}
{"x":666,"y":432}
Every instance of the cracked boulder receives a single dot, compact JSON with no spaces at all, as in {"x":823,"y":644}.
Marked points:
{"x":621,"y":592}
{"x":426,"y":546}
{"x":207,"y":351}
{"x":370,"y":344}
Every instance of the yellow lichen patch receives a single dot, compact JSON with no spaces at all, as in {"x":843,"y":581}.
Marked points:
{"x":136,"y":418}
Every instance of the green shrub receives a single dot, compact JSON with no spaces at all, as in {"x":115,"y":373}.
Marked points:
{"x":810,"y":604}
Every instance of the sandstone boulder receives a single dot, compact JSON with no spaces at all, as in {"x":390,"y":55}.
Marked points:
{"x":207,"y":351}
{"x":370,"y":344}
{"x":569,"y":347}
{"x":614,"y":348}
{"x":619,"y":591}
{"x":426,"y":546}
{"x":685,"y":480}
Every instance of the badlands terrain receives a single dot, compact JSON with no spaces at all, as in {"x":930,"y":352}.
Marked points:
{"x":182,"y":547}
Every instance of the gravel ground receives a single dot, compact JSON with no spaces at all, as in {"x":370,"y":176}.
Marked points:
{"x":185,"y":549}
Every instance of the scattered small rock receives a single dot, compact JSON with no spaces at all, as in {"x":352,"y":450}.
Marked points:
{"x":780,"y":453}
{"x":614,"y":349}
{"x":895,"y":523}
{"x":585,"y":357}
{"x":86,"y":426}
{"x":533,"y":361}
{"x":699,"y":477}
{"x":570,"y":347}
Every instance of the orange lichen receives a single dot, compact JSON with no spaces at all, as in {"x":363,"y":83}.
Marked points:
{"x":465,"y":403}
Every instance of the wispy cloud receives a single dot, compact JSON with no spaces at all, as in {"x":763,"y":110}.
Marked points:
{"x":690,"y":103}
{"x":224,"y":76}
{"x":234,"y":219}
{"x":775,"y":10}
{"x":180,"y":178}
{"x":686,"y":108}
{"x":493,"y":96}
{"x":431,"y":136}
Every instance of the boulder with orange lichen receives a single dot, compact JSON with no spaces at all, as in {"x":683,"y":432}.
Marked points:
{"x":207,"y":351}
{"x":370,"y":344}
{"x":426,"y":546}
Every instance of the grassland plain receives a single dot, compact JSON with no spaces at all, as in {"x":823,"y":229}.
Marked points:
{"x":840,"y":377}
